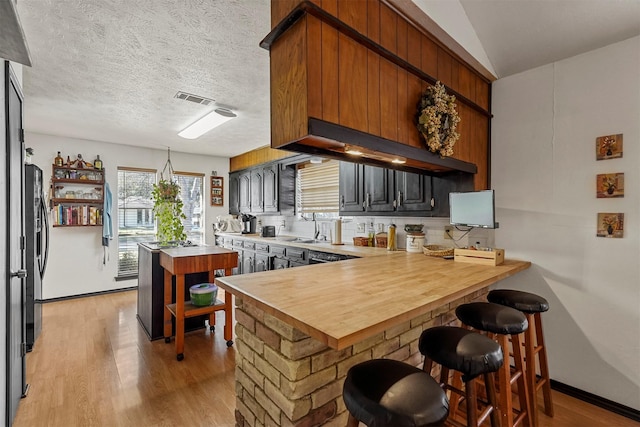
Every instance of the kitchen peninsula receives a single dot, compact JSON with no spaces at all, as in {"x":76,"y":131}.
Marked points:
{"x":299,"y":330}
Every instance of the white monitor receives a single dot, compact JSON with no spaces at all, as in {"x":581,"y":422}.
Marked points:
{"x":473,"y":209}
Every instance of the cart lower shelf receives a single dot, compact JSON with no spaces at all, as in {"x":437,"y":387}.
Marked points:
{"x":191,"y":310}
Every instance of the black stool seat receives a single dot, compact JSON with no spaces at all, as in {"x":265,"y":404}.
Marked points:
{"x":523,"y":301}
{"x":385,"y":393}
{"x":489,"y":317}
{"x":462,"y":350}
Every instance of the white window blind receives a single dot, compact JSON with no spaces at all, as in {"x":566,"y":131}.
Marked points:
{"x":135,"y":218}
{"x":318,"y":190}
{"x":191,"y":193}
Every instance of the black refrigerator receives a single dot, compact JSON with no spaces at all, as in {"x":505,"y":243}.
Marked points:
{"x":37,"y":250}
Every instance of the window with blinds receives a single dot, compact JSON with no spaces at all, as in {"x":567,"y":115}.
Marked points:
{"x":191,"y":193}
{"x":317,"y":189}
{"x":135,"y":216}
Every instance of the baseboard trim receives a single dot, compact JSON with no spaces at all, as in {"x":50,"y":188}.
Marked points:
{"x":593,"y":399}
{"x":90,"y":294}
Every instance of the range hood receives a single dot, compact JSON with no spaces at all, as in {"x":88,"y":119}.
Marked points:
{"x":338,"y":142}
{"x":335,"y":91}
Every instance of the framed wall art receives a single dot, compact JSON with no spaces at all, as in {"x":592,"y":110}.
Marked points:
{"x":610,"y":225}
{"x":217,"y":191}
{"x":609,"y":185}
{"x":609,"y":147}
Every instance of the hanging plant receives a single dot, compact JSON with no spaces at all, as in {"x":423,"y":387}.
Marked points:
{"x":167,"y":208}
{"x":438,"y":120}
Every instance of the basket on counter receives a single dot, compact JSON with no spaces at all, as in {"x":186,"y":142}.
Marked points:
{"x":437,"y":250}
{"x":360,"y":241}
{"x":381,"y":240}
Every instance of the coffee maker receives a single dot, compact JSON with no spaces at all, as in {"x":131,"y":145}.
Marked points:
{"x":248,"y":224}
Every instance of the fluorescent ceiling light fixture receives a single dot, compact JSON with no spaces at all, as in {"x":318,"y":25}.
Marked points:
{"x":208,"y":122}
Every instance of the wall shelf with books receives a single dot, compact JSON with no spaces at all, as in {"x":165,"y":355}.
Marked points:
{"x":77,"y":196}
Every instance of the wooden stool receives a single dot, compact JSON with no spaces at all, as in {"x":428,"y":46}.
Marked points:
{"x":472,"y":355}
{"x":502,"y":323}
{"x":384,"y":392}
{"x":531,"y":305}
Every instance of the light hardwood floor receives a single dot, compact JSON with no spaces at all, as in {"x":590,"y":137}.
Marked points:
{"x":93,"y":365}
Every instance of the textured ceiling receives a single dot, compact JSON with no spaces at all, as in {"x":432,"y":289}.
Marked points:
{"x":107,"y":70}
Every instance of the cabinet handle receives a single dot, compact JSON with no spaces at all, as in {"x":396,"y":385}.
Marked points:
{"x":21,"y":274}
{"x":399,"y":198}
{"x":342,"y":201}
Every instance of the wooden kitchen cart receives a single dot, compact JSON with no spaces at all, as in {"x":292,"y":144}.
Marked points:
{"x":195,"y":259}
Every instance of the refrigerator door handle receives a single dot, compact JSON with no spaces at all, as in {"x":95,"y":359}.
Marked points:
{"x":45,"y":217}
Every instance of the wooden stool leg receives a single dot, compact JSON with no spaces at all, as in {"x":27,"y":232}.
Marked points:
{"x":472,"y":401}
{"x":524,"y":395}
{"x":504,"y":384}
{"x":544,"y":366}
{"x":530,"y":367}
{"x":454,"y":400}
{"x":490,"y":386}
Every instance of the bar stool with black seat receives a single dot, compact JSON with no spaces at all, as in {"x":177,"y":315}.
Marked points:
{"x":534,"y":348}
{"x":503,"y":324}
{"x":386,"y":393}
{"x":472,"y":355}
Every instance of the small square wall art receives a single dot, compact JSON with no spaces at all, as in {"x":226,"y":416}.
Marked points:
{"x":609,"y":147}
{"x":610,"y":185}
{"x":610,"y":225}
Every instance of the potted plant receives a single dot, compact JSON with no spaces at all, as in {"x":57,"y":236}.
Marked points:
{"x":167,"y":207}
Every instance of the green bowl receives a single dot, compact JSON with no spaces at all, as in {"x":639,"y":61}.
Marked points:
{"x":204,"y":294}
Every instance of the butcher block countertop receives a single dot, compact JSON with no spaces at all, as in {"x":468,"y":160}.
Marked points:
{"x":342,"y":303}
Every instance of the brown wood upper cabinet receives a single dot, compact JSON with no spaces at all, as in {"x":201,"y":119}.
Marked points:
{"x":361,"y":65}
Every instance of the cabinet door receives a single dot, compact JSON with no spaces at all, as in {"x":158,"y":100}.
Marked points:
{"x":280,"y":263}
{"x":413,"y":192}
{"x":351,"y":188}
{"x":245,"y":192}
{"x":261,"y":262}
{"x":234,"y":193}
{"x":270,"y":186}
{"x":248,"y":261}
{"x":257,"y":190}
{"x":378,"y":189}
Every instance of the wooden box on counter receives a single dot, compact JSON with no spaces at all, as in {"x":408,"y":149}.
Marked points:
{"x":491,"y":257}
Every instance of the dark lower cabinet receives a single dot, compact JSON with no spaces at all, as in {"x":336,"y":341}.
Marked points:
{"x":151,"y":294}
{"x":261,"y":262}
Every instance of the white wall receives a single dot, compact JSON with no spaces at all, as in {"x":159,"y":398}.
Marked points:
{"x":544,"y":171}
{"x":76,"y":253}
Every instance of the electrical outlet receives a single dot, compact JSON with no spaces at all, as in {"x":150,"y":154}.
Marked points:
{"x":448,"y":232}
{"x":361,"y":227}
{"x":283,"y":224}
{"x":380,"y":227}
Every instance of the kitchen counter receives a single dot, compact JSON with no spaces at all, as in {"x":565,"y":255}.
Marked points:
{"x":299,"y":330}
{"x":344,"y":249}
{"x":342,"y":303}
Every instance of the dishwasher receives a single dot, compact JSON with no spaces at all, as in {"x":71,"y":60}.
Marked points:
{"x":317,"y":257}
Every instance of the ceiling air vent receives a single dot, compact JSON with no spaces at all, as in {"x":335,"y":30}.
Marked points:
{"x":194,"y":98}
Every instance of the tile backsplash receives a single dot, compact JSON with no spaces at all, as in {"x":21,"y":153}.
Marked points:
{"x":353,"y":226}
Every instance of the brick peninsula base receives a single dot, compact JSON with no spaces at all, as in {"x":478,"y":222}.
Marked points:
{"x":286,"y":378}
